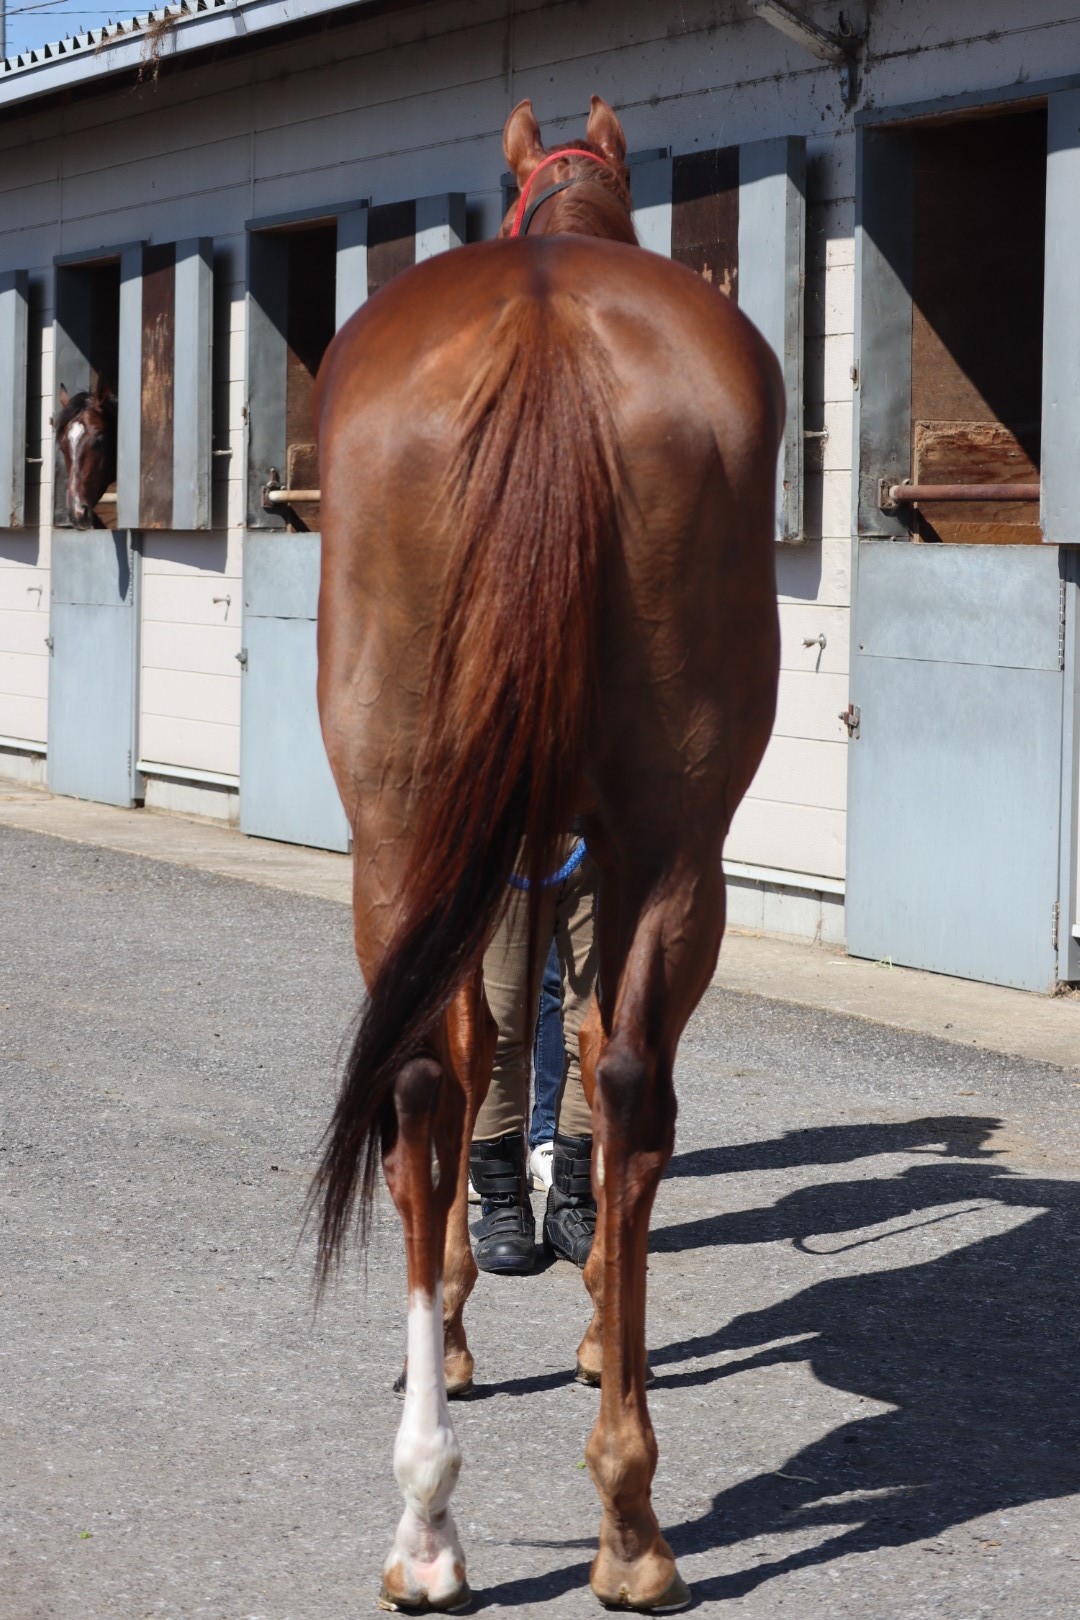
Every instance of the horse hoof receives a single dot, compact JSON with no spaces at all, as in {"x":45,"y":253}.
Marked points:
{"x":454,"y":1392}
{"x":586,"y":1375}
{"x":452,"y":1605}
{"x":675,"y":1596}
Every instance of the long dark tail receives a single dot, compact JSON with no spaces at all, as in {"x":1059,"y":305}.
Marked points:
{"x":511,"y":691}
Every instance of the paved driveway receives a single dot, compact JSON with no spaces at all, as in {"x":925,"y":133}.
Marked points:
{"x":863,"y":1309}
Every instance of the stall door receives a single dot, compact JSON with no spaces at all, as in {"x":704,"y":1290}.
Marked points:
{"x":955,"y":782}
{"x":93,"y":669}
{"x":287,"y":791}
{"x":954,"y":785}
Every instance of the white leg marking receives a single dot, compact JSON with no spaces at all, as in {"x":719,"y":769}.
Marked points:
{"x":426,"y":1561}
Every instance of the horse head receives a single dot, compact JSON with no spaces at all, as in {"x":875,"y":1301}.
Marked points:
{"x":581,"y":187}
{"x":86,"y":435}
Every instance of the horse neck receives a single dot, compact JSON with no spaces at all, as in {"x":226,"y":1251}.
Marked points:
{"x":589,"y":211}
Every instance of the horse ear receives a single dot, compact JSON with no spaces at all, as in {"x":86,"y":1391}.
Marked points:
{"x":605,"y":132}
{"x":63,"y":397}
{"x":522,"y":145}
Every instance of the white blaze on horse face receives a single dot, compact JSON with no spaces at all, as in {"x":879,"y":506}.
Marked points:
{"x":74,"y":434}
{"x":426,"y":1561}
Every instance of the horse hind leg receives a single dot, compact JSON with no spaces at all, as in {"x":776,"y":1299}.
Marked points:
{"x":670,"y":959}
{"x":425,"y":1568}
{"x":472,"y":1033}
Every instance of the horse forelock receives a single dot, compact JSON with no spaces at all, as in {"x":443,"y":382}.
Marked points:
{"x":80,"y":402}
{"x":74,"y":407}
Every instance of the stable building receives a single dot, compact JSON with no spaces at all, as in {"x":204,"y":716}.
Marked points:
{"x":193,"y":200}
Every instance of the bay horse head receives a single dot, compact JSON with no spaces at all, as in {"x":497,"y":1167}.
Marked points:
{"x":86,"y":436}
{"x":581,"y":188}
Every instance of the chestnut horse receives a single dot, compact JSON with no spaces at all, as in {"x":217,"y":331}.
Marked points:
{"x":548,"y":590}
{"x":86,"y":436}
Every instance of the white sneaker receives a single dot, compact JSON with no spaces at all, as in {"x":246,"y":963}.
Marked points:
{"x":474,"y":1196}
{"x":540,"y":1164}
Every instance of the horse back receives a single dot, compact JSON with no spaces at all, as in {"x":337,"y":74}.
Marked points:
{"x":688,"y":610}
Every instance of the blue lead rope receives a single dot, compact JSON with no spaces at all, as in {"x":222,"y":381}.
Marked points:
{"x":571,"y":864}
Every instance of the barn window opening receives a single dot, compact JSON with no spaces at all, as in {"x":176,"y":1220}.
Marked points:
{"x":312,"y":256}
{"x":87,"y":351}
{"x":977,"y":318}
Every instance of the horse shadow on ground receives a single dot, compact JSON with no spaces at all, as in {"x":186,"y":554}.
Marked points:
{"x":975,"y":1351}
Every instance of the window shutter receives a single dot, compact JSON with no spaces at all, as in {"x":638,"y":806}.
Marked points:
{"x":352,"y":267}
{"x":736,"y":215}
{"x":771,"y":271}
{"x":164,"y":386}
{"x":884,"y":230}
{"x":1060,"y":510}
{"x":650,"y":189}
{"x":14,"y":289}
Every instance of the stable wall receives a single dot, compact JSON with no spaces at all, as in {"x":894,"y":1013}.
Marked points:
{"x":413,"y":104}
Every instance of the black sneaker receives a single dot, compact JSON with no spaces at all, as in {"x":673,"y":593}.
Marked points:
{"x":506,"y":1232}
{"x":570,"y":1216}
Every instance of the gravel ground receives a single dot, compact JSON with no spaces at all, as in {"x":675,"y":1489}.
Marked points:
{"x":862,"y":1298}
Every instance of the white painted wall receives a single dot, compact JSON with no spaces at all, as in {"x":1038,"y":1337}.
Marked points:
{"x":413,"y":104}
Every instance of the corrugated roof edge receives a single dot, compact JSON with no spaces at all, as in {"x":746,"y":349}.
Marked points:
{"x":169,"y":31}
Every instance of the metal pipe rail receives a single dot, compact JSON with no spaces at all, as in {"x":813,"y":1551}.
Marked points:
{"x":289,"y":497}
{"x":910,"y":493}
{"x":274,"y":495}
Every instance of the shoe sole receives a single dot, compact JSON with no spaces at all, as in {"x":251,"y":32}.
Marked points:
{"x":516,"y":1268}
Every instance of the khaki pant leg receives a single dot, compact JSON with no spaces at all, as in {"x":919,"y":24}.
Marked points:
{"x":513,"y":1006}
{"x":575,"y":934}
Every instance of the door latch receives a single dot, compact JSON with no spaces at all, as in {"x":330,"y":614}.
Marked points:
{"x":851,"y":717}
{"x":242,"y":658}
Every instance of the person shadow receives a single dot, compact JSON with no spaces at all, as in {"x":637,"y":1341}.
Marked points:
{"x":974,"y":1351}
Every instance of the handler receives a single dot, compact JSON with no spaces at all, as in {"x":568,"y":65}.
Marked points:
{"x":506,"y":1232}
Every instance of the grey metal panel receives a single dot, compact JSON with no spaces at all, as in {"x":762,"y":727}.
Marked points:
{"x":14,"y":295}
{"x":265,"y":369}
{"x":954,"y":786}
{"x":351,"y":268}
{"x":1060,"y":509}
{"x":650,"y":188}
{"x":129,"y":389}
{"x":995,"y":605}
{"x":281,"y":576}
{"x":93,"y":671}
{"x":772,"y":268}
{"x":884,"y":216}
{"x":286,"y":789}
{"x":192,"y":379}
{"x":440,"y":224}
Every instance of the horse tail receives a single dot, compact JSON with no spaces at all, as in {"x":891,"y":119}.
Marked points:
{"x":530,"y":506}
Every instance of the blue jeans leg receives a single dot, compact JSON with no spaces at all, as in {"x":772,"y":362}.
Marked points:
{"x":547,"y":1053}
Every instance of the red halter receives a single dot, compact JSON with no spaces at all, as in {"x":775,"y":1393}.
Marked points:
{"x":552,"y":157}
